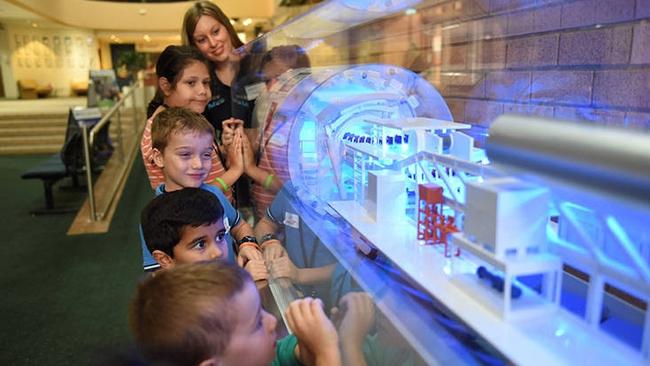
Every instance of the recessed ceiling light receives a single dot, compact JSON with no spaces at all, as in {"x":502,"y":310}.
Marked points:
{"x":246,"y":22}
{"x":142,"y":11}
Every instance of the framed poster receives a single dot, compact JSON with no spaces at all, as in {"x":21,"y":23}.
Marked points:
{"x":102,"y":88}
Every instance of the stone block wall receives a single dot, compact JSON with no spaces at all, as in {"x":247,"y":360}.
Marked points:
{"x":567,"y":59}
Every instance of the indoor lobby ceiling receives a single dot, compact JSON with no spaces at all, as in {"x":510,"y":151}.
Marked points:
{"x":148,"y":24}
{"x":123,"y":16}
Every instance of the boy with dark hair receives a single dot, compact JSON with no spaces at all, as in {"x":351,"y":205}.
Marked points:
{"x":182,"y":146}
{"x":187,"y":226}
{"x":168,"y":218}
{"x":209,"y":313}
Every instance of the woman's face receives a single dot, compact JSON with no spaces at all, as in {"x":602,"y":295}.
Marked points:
{"x":212,"y":39}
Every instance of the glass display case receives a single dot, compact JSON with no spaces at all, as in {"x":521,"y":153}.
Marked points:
{"x":465,"y":182}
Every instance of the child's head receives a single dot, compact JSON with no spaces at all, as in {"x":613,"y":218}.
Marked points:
{"x":205,"y":313}
{"x":182,"y":143}
{"x":206,"y":27}
{"x":280,"y":59}
{"x":184,"y":226}
{"x":183,"y":78}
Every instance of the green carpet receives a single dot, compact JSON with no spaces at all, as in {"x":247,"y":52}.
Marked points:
{"x":64,"y":298}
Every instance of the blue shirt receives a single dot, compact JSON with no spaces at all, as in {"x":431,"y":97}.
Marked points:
{"x":303,"y":246}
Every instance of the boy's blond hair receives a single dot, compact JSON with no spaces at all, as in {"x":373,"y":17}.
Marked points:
{"x":173,"y":120}
{"x":183,"y":315}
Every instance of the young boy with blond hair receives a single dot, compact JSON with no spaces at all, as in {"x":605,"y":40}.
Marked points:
{"x":209,"y":313}
{"x":182,"y":142}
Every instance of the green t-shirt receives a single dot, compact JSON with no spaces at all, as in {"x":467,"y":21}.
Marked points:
{"x":377,"y":354}
{"x":284,"y":352}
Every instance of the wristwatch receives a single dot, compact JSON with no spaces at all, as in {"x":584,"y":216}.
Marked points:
{"x":269,"y":236}
{"x":247,"y":239}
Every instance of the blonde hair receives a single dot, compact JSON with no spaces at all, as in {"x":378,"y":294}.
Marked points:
{"x":175,"y":119}
{"x":183,"y":315}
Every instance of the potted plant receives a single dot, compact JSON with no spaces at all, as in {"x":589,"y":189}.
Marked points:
{"x":130,"y":63}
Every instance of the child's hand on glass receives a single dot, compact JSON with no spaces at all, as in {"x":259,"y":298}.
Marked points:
{"x":248,"y":253}
{"x":317,"y":338}
{"x":284,"y":267}
{"x":272,"y":250}
{"x":356,"y":312}
{"x":257,"y":269}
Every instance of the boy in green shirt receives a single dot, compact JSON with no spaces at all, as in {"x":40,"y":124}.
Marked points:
{"x":209,"y":314}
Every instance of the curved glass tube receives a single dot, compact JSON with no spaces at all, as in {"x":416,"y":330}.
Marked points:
{"x":315,"y":111}
{"x":408,"y":90}
{"x":335,"y":16}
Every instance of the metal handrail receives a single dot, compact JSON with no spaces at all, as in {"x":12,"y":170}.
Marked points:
{"x":89,"y":140}
{"x":104,"y":120}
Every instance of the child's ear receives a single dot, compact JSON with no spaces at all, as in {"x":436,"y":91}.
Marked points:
{"x":157,"y":157}
{"x":163,"y":259}
{"x":165,"y":86}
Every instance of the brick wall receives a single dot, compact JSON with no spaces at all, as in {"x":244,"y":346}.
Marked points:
{"x":577,"y":60}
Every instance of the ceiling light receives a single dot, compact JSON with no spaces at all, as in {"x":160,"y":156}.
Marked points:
{"x":246,"y":22}
{"x":146,"y":38}
{"x":142,"y":11}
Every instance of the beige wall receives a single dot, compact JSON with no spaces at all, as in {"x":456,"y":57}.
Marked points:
{"x":52,"y":56}
{"x":9,"y":84}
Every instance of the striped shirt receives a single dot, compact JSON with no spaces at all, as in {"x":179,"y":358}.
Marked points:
{"x":272,"y":158}
{"x":156,"y":174}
